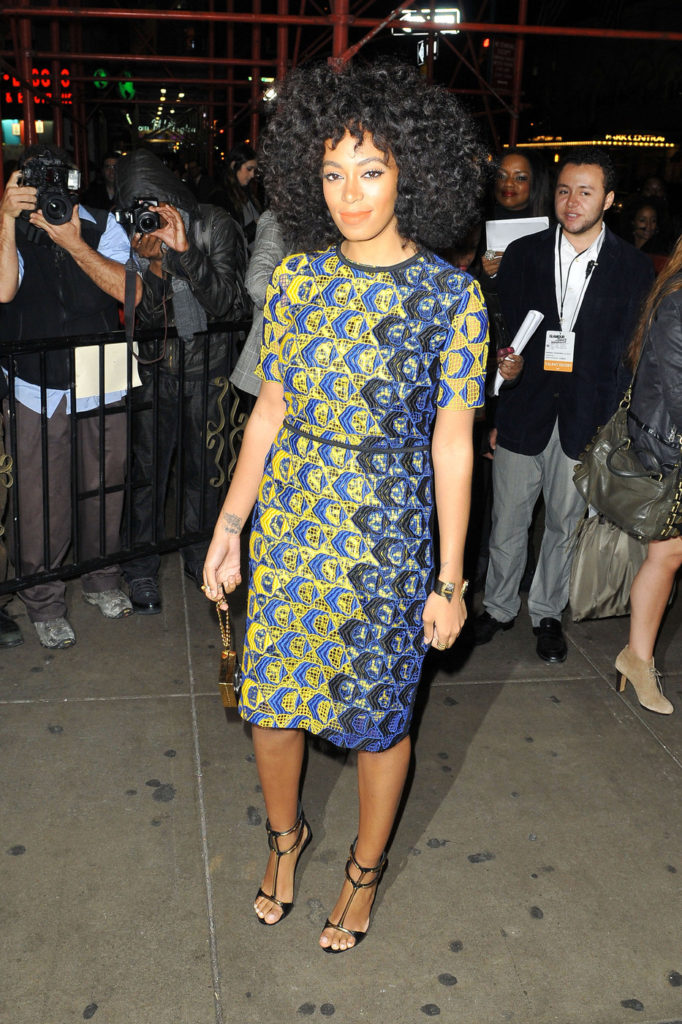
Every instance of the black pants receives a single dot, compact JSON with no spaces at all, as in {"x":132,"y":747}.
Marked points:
{"x":180,"y":430}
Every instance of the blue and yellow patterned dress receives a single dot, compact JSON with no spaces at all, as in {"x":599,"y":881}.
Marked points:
{"x":341,"y":555}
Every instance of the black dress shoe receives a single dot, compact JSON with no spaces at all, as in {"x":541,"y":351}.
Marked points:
{"x":10,"y":634}
{"x":196,"y":574}
{"x":144,"y":596}
{"x":485,"y":628}
{"x":551,"y":645}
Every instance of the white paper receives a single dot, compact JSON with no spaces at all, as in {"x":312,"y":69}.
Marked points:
{"x":499,"y":233}
{"x":525,"y":332}
{"x":115,"y":369}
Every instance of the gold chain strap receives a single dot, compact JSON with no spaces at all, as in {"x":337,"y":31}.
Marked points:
{"x":224,"y":626}
{"x":228,"y":662}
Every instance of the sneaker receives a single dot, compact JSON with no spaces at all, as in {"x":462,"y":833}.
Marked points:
{"x":55,"y":633}
{"x":145,"y":596}
{"x":113,"y":604}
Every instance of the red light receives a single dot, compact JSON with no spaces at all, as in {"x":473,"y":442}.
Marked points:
{"x":486,"y":43}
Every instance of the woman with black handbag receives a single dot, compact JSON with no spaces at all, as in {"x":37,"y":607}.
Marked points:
{"x":655,"y":425}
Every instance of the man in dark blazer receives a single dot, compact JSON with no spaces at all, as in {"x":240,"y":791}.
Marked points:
{"x":589,"y":285}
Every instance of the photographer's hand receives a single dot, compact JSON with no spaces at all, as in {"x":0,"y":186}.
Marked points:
{"x":172,"y":230}
{"x":14,"y":199}
{"x":149,"y":247}
{"x":17,"y":197}
{"x":67,"y":235}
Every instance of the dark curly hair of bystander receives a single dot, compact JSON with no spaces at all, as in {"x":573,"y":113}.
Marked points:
{"x":443,"y":168}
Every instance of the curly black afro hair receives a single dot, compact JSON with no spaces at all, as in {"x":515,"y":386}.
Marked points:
{"x":442,"y":167}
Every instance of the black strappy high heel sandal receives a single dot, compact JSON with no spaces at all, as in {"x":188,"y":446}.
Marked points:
{"x":299,"y":827}
{"x":357,"y":885}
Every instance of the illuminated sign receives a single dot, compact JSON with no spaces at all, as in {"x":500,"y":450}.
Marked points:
{"x":126,"y":87}
{"x":647,"y":139}
{"x":411,"y":20}
{"x":625,"y":139}
{"x":100,"y":77}
{"x":41,"y":87}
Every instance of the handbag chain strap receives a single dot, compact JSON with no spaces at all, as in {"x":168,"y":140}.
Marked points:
{"x":672,"y":527}
{"x":225,"y":632}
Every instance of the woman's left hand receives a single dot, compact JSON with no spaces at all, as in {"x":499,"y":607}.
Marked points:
{"x":443,"y":620}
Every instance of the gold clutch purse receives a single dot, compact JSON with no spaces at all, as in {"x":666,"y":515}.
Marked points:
{"x":229,"y":676}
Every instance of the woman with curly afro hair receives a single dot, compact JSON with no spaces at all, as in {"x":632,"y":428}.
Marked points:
{"x":372,"y":364}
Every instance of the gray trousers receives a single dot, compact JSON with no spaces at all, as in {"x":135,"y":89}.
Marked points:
{"x":47,"y":600}
{"x":517,"y":483}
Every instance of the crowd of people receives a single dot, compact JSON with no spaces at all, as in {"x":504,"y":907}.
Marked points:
{"x":64,"y":274}
{"x":390,"y":393}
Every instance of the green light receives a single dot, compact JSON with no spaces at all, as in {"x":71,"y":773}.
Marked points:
{"x":126,"y":88}
{"x":101,"y":78}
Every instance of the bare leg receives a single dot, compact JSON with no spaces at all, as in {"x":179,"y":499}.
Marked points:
{"x":649,"y":594}
{"x":381,"y":777}
{"x":279,"y":758}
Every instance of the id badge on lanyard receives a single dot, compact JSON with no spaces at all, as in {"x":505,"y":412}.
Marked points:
{"x":559,"y":346}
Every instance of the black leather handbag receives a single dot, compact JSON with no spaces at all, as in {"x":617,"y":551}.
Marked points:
{"x":612,"y":479}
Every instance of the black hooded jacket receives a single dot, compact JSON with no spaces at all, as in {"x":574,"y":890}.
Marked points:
{"x":214,"y":265}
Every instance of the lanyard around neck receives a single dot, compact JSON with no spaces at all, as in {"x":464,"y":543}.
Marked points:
{"x":563,"y":291}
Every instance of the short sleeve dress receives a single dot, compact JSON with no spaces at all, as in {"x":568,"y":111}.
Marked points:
{"x":341,"y":553}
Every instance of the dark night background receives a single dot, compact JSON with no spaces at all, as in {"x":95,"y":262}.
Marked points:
{"x":576,"y":88}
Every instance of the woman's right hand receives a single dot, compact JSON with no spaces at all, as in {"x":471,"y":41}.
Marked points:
{"x":222,"y":568}
{"x":491,"y":264}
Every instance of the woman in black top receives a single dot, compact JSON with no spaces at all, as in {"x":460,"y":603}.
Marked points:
{"x":655,"y":425}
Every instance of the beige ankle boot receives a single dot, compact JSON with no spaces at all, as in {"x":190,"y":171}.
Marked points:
{"x":645,"y":679}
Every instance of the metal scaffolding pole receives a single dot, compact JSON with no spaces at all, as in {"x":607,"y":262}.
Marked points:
{"x":229,"y":43}
{"x":25,"y":65}
{"x":210,"y":147}
{"x":519,"y":48}
{"x":282,"y":41}
{"x":327,"y":21}
{"x":255,"y":78}
{"x":57,"y":112}
{"x":340,"y":19}
{"x":78,"y":121}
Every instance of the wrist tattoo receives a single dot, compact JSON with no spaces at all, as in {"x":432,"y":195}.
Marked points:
{"x":231,"y":523}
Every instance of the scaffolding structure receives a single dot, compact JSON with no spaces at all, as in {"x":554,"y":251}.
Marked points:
{"x":227,"y":78}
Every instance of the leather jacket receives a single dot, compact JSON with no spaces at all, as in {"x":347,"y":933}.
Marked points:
{"x":214,"y":266}
{"x":655,"y":414}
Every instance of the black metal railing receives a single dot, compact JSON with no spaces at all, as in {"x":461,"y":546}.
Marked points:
{"x":224,"y":411}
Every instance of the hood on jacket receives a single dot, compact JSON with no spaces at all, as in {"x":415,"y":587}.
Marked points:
{"x":141,"y":175}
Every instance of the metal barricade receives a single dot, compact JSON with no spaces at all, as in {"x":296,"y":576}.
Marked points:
{"x":82,"y":445}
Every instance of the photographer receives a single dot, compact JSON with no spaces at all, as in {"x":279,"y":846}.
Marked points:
{"x":61,"y":274}
{"x":193,"y":258}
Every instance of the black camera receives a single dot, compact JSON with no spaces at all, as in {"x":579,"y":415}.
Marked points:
{"x":139,"y":217}
{"x":56,"y":184}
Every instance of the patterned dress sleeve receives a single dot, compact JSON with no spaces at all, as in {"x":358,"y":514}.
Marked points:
{"x":276,"y":322}
{"x":463,"y":358}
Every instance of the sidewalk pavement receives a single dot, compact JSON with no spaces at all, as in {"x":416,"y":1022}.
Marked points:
{"x":535,"y":876}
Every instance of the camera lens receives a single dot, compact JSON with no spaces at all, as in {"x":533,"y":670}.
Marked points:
{"x":147,"y":222}
{"x":57,"y":209}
